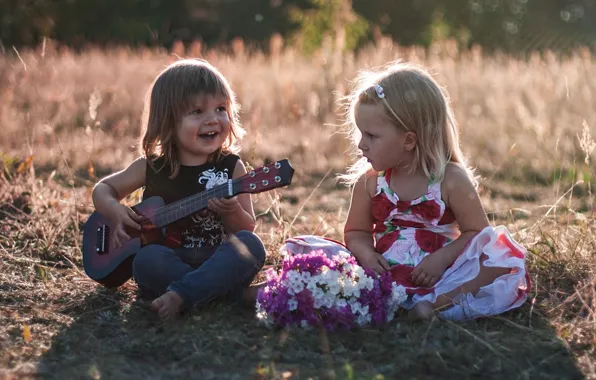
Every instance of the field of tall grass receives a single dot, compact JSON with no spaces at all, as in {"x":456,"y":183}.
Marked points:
{"x":67,"y":119}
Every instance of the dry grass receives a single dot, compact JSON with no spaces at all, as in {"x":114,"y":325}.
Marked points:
{"x":67,"y":119}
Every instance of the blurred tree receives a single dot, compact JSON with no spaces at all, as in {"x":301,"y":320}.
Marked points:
{"x":24,"y":22}
{"x":146,"y":22}
{"x":254,"y":20}
{"x":524,"y":25}
{"x":333,"y":18}
{"x":407,"y":21}
{"x":510,"y":25}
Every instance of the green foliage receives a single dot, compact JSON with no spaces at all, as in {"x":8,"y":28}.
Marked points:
{"x":524,"y":25}
{"x":407,"y":21}
{"x":511,"y":25}
{"x":330,"y":18}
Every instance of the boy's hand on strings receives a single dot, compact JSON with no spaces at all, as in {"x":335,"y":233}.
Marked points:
{"x":430,"y":270}
{"x":374,"y":261}
{"x":223,"y":206}
{"x":124,"y":217}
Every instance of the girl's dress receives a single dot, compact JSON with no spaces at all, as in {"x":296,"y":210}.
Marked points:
{"x":405,"y":232}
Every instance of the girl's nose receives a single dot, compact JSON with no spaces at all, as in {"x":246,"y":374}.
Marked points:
{"x":211,"y":119}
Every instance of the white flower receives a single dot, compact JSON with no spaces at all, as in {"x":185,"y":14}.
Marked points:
{"x":305,"y":277}
{"x":312,"y":282}
{"x":292,"y":304}
{"x":330,"y":276}
{"x":328,"y":302}
{"x":355,"y":306}
{"x":318,"y":294}
{"x":295,"y":288}
{"x":318,"y":303}
{"x":351,"y":288}
{"x":398,"y":294}
{"x":334,"y":288}
{"x":364,"y":310}
{"x":341,"y":302}
{"x":293,"y":276}
{"x":331,"y":279}
{"x":359,"y":272}
{"x":262,"y":315}
{"x":293,"y":282}
{"x":366,"y":282}
{"x":343,"y":254}
{"x":259,"y":307}
{"x":363,"y":319}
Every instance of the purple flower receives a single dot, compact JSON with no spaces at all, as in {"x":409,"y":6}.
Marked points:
{"x":309,"y":290}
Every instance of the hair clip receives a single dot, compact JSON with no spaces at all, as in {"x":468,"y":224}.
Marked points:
{"x":380,"y":92}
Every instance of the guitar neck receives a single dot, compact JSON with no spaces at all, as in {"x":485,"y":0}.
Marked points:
{"x":268,"y":177}
{"x":188,"y":206}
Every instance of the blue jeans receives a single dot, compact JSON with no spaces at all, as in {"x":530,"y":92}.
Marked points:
{"x":199,"y":275}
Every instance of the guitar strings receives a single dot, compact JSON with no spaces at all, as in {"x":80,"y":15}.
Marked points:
{"x":199,"y":197}
{"x":175,"y":207}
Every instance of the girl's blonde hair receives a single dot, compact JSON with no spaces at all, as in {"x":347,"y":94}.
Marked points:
{"x":171,"y":95}
{"x":415,"y":102}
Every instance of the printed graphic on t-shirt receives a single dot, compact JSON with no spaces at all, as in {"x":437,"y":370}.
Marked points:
{"x":207,"y":227}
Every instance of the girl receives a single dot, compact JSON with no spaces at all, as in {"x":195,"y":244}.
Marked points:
{"x":415,"y":210}
{"x":191,"y":137}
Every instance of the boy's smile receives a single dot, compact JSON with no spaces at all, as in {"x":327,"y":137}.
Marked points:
{"x":204,"y":128}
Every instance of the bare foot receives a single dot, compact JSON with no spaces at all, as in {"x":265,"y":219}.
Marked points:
{"x":249,"y":296}
{"x":422,"y":310}
{"x":168,"y":306}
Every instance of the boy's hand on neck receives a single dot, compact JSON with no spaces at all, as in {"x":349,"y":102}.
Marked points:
{"x":225,"y":207}
{"x":234,"y":216}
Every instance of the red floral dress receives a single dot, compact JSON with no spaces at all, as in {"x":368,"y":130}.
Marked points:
{"x":407,"y":231}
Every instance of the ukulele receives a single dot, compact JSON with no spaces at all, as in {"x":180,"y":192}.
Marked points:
{"x":112,"y":267}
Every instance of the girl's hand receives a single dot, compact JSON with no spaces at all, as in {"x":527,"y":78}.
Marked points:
{"x":223,"y":206}
{"x":124,"y":217}
{"x":430,"y":270}
{"x":374,"y":261}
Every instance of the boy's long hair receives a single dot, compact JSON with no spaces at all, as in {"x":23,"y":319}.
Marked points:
{"x":414,"y":102}
{"x":170,"y":96}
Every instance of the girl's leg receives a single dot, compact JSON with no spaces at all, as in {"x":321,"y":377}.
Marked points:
{"x":231,"y":268}
{"x":486,"y":276}
{"x":156,"y":266}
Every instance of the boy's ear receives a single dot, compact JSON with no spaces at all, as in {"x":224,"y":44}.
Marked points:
{"x":410,"y":141}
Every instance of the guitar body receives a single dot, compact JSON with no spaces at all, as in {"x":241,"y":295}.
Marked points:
{"x":111,"y":266}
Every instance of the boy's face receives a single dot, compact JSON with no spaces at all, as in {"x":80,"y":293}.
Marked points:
{"x":203,"y":128}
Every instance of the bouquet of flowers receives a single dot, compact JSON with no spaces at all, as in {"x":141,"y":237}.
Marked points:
{"x":314,"y":289}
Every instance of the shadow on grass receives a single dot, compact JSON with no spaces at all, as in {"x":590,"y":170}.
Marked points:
{"x":114,"y":335}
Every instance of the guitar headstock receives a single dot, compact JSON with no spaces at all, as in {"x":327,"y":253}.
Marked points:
{"x":268,"y":177}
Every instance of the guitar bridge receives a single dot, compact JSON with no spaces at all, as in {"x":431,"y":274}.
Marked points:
{"x":103,"y":236}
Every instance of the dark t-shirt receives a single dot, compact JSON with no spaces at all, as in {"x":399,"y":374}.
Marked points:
{"x":204,"y":228}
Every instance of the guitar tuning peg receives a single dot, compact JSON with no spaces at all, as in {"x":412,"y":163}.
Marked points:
{"x":277,"y":165}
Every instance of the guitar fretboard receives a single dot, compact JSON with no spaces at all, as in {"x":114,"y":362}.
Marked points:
{"x":182,"y":208}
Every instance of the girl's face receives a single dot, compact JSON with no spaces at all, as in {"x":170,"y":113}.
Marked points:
{"x":203,"y":129}
{"x":382,"y":143}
